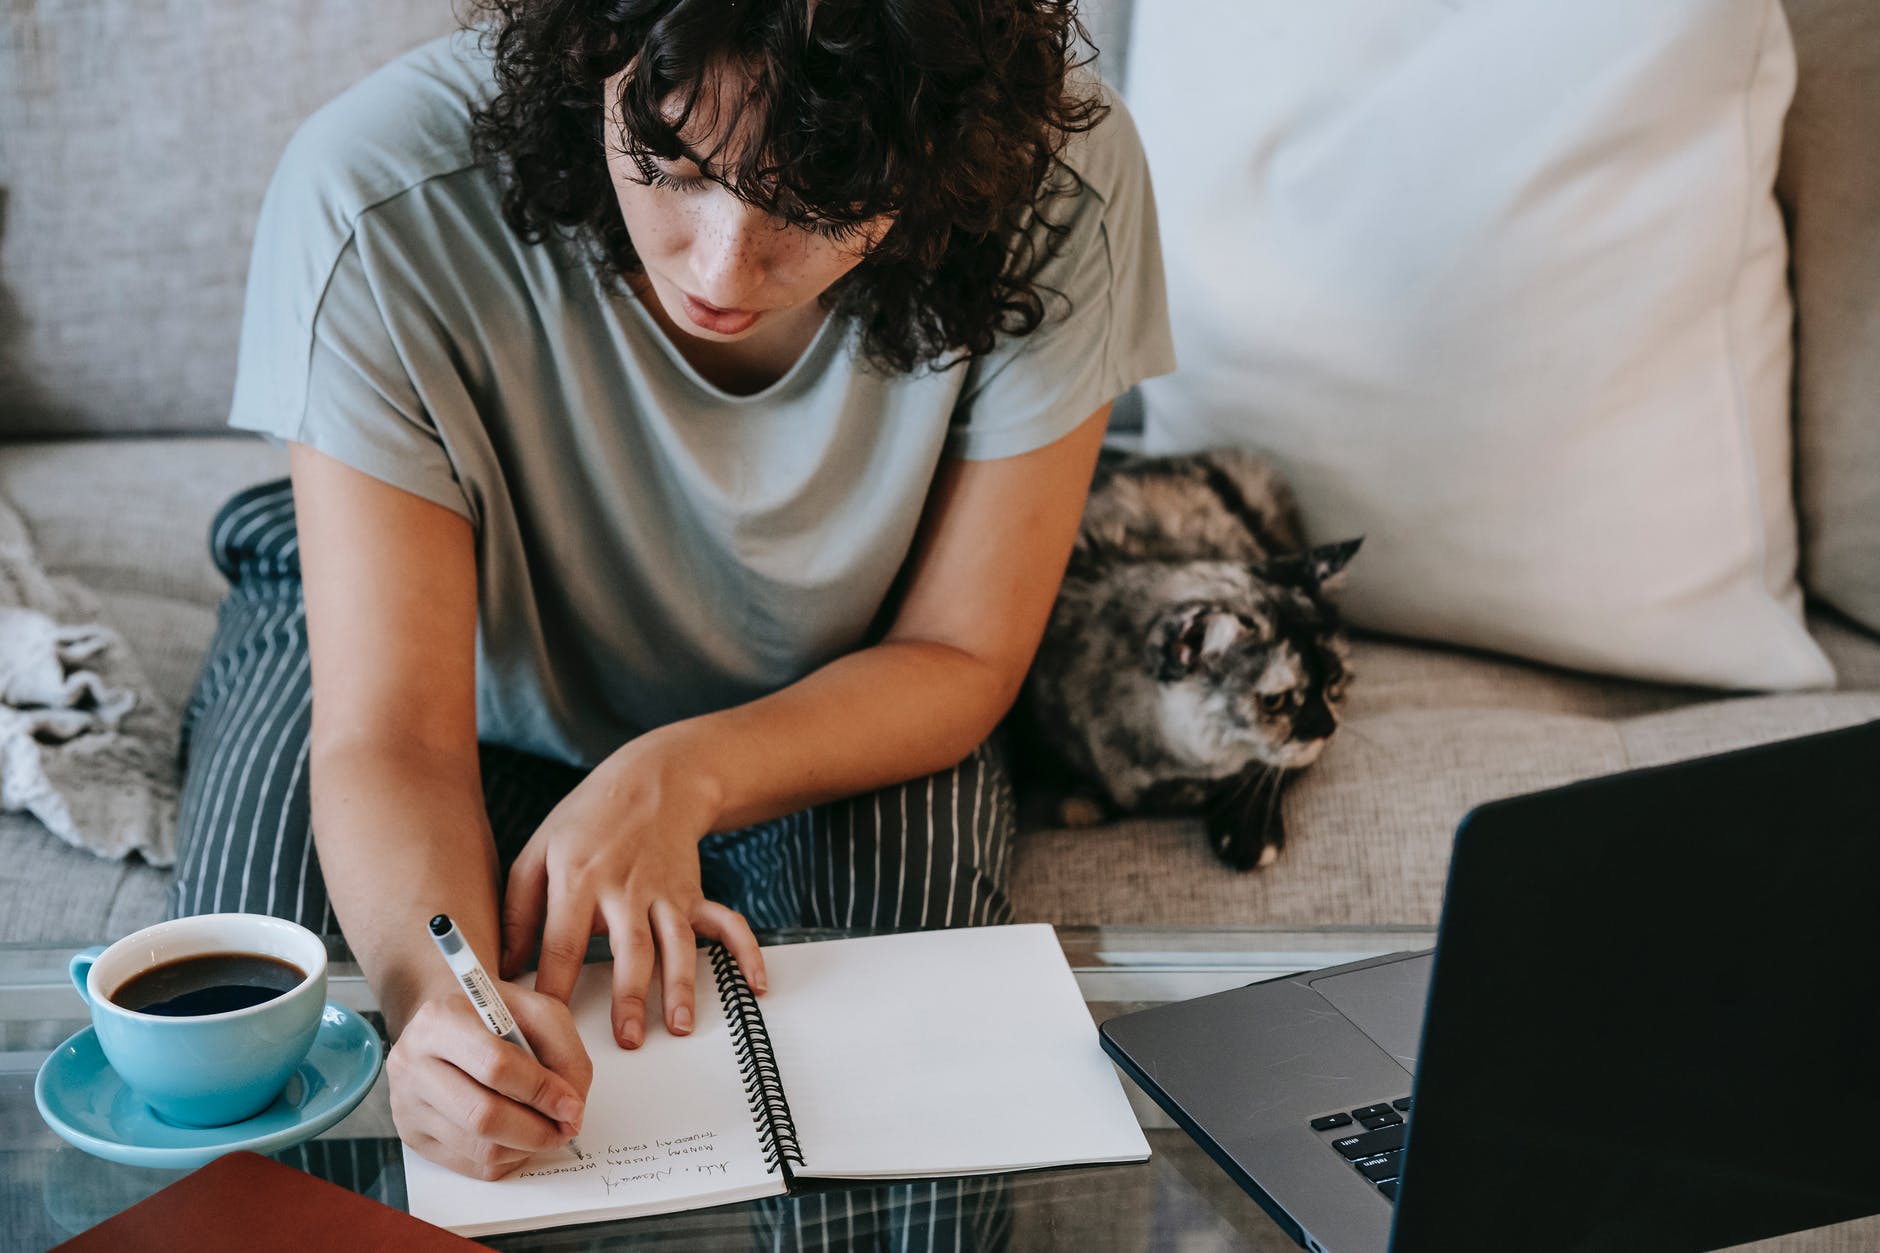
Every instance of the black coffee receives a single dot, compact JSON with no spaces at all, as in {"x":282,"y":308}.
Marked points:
{"x":212,"y":983}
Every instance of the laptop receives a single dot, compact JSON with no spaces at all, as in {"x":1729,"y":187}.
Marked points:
{"x":1651,"y":1021}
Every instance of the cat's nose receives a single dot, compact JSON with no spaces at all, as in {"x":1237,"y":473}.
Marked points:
{"x":1314,"y":721}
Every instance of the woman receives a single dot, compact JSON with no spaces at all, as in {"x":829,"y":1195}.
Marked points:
{"x":690,"y":407}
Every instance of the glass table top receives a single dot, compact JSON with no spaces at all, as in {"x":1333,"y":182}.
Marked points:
{"x":1178,"y":1200}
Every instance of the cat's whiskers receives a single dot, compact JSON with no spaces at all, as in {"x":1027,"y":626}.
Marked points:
{"x":1275,"y":787}
{"x":1245,"y":784}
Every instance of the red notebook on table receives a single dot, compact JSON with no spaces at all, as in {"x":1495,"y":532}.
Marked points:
{"x":246,"y":1203}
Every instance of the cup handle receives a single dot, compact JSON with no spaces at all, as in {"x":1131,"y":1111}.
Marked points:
{"x":80,"y":968}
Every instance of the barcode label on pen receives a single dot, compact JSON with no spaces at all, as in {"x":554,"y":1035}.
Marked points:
{"x":477,"y":984}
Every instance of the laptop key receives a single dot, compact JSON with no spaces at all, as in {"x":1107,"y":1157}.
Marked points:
{"x":1370,"y":1143}
{"x":1380,"y":1168}
{"x":1331,"y":1121}
{"x":1389,"y":1189}
{"x":1385,"y":1119}
{"x":1402,"y":1103}
{"x":1370,"y":1111}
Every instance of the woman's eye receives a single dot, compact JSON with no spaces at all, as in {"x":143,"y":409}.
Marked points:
{"x":652,"y":174}
{"x":835,"y":230}
{"x":656,"y":177}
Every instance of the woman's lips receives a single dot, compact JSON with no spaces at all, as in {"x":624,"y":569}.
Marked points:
{"x":721,"y":321}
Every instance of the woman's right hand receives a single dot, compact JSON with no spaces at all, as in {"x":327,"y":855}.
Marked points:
{"x":477,"y":1104}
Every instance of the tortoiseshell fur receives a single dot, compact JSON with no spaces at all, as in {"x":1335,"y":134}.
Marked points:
{"x":1193,"y":662}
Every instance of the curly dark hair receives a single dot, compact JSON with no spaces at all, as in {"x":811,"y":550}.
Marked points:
{"x":949,"y":114}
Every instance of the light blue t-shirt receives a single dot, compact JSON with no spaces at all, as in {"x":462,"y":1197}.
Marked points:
{"x":649,"y":546}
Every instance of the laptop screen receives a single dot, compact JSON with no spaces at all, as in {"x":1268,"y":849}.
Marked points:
{"x":1654,"y":1018}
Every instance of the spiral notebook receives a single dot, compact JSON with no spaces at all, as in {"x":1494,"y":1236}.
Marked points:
{"x":922,"y":1055}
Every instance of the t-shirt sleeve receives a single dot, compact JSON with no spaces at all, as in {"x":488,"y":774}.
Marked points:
{"x":1106,"y":324}
{"x":318,"y":364}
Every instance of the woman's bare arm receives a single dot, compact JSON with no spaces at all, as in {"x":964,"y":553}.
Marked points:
{"x":398,"y":815}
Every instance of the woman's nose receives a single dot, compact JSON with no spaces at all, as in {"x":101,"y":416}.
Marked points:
{"x":731,"y":255}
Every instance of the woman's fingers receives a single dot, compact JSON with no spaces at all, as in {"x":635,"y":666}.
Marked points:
{"x":524,"y":901}
{"x":564,"y":938}
{"x":632,"y":942}
{"x":550,"y":1031}
{"x":497,"y":1117}
{"x":477,"y":1162}
{"x":678,"y":964}
{"x":500,"y":1069}
{"x":471,"y":1102}
{"x":728,"y":927}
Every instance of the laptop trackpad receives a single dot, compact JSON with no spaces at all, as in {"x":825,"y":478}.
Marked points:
{"x":1385,"y":1002}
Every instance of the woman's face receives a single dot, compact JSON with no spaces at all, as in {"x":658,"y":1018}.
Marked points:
{"x":722,"y":270}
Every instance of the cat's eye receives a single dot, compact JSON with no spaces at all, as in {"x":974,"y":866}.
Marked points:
{"x":1275,"y":702}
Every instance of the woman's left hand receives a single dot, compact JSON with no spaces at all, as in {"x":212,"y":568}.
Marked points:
{"x":619,"y":855}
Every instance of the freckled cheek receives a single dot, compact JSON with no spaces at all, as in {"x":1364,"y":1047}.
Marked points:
{"x":787,"y":268}
{"x":749,"y":247}
{"x":655,"y":229}
{"x":818,"y":263}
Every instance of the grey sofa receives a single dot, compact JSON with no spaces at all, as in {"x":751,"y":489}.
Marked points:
{"x":135,"y":141}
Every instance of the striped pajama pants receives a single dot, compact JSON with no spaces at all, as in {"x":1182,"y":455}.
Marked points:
{"x":932,"y":852}
{"x":934,"y":1216}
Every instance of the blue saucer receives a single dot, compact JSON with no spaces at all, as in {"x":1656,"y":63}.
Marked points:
{"x":82,"y":1099}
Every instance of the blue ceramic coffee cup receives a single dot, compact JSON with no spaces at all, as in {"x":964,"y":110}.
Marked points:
{"x":206,"y":1070}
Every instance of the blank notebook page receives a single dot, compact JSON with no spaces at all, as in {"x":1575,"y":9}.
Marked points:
{"x":942,"y":1052}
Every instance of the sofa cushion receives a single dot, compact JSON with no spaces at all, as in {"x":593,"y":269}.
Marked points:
{"x":1537,"y":354}
{"x":52,"y":893}
{"x":130,"y":516}
{"x":136,"y":138}
{"x":1830,"y":185}
{"x":1854,"y":650}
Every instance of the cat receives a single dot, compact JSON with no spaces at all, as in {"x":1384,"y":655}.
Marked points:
{"x":1192,"y":662}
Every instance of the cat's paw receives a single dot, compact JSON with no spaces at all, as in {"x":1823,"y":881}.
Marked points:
{"x":1243,"y":850}
{"x":1080,"y":811}
{"x":1245,"y":827}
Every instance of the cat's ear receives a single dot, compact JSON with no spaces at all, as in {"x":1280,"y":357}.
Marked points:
{"x":1314,"y":568}
{"x":1185,"y":636}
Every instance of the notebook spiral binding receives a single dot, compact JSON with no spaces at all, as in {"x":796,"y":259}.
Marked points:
{"x":757,"y":1063}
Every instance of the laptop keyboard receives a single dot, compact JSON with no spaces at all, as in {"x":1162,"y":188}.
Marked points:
{"x":1374,"y":1145}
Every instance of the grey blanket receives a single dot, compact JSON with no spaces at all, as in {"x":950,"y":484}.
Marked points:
{"x":86,"y":747}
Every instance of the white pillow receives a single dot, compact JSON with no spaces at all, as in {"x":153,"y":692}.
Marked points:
{"x":1501,"y":285}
